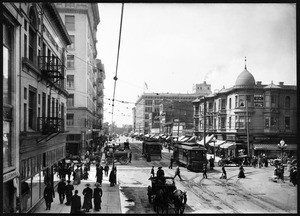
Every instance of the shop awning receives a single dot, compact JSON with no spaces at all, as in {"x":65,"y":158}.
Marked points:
{"x":207,"y":139}
{"x":228,"y":144}
{"x":273,"y":147}
{"x":216,"y":143}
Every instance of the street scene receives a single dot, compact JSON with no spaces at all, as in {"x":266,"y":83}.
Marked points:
{"x":149,"y":108}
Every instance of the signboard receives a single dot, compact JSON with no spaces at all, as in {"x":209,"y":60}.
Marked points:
{"x":258,"y":101}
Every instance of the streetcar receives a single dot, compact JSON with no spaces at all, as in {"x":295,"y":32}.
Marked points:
{"x":191,"y":155}
{"x":151,"y":148}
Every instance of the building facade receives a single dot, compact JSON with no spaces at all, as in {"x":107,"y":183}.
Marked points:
{"x":35,"y":53}
{"x":147,"y":108}
{"x":253,"y":116}
{"x":84,"y":76}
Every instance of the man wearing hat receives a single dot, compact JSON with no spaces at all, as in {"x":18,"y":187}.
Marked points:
{"x":87,"y":200}
{"x":61,"y":189}
{"x":69,"y":193}
{"x":160,"y":173}
{"x":75,"y":203}
{"x":97,"y":196}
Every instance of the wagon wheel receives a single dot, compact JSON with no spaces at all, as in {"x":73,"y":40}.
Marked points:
{"x":220,"y":163}
{"x":123,"y":160}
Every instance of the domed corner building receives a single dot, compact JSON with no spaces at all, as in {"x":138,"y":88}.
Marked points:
{"x":269,"y":108}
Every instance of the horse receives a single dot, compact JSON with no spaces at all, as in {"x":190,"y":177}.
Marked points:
{"x":160,"y":201}
{"x":180,"y":199}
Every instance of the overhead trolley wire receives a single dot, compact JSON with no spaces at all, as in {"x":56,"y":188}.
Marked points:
{"x":116,"y":77}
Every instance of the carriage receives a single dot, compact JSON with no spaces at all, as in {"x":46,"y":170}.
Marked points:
{"x":117,"y":156}
{"x":164,"y":195}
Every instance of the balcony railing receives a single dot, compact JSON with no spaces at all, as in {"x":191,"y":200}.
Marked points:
{"x":50,"y":125}
{"x":51,"y":67}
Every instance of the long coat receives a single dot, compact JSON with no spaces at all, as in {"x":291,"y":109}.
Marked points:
{"x":75,"y":204}
{"x":61,"y":188}
{"x":69,"y":189}
{"x":97,"y":198}
{"x":87,"y":201}
{"x":49,"y":194}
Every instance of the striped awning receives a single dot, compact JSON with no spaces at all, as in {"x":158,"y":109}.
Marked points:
{"x":273,"y":147}
{"x":228,"y":145}
{"x":217,"y":143}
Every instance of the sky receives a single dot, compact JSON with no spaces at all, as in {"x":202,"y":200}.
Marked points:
{"x":169,"y":47}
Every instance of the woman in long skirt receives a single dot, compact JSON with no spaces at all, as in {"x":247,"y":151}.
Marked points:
{"x":241,"y":173}
{"x":77,"y":176}
{"x":97,"y":197}
{"x":87,"y":201}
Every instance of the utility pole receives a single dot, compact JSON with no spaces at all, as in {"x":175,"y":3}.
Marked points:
{"x":178,"y":124}
{"x":204,"y":121}
{"x":247,"y":128}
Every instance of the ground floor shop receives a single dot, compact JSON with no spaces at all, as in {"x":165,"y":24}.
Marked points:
{"x":10,"y":192}
{"x":35,"y":172}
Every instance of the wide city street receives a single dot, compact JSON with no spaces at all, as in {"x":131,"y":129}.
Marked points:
{"x":257,"y":193}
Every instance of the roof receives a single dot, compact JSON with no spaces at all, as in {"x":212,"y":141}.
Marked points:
{"x":245,"y":79}
{"x":272,"y":86}
{"x":263,"y":146}
{"x":187,"y":146}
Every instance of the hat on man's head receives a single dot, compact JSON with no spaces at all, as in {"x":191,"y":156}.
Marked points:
{"x":68,"y":181}
{"x":97,"y":184}
{"x":87,"y":185}
{"x":159,"y":167}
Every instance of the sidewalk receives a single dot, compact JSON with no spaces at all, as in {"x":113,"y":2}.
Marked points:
{"x":110,"y":199}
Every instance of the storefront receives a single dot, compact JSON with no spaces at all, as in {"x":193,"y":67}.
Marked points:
{"x":272,"y":150}
{"x":34,"y":173}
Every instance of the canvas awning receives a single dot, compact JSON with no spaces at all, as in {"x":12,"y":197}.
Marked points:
{"x":273,"y":147}
{"x":217,"y":143}
{"x":228,"y":144}
{"x":207,"y":139}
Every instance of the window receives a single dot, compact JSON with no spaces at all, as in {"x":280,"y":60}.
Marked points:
{"x":267,"y":122}
{"x":25,"y":46}
{"x":44,"y":105}
{"x":32,"y":108}
{"x":273,"y":100}
{"x":229,"y":121}
{"x":229,"y":103}
{"x":148,"y":102}
{"x":223,"y":122}
{"x":32,"y":49}
{"x":287,"y":102}
{"x":273,"y":121}
{"x":70,"y":119}
{"x":25,"y":93}
{"x":70,"y":22}
{"x":70,"y":61}
{"x":39,"y":99}
{"x":287,"y":121}
{"x":71,"y":5}
{"x":223,"y":104}
{"x":53,"y":107}
{"x":236,"y":101}
{"x":72,"y":46}
{"x":70,"y":81}
{"x":70,"y":100}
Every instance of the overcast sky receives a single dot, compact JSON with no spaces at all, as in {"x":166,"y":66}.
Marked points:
{"x":173,"y":46}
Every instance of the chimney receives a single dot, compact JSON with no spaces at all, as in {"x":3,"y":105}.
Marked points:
{"x":258,"y":83}
{"x":280,"y":83}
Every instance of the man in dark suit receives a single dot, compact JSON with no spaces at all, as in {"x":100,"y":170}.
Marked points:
{"x":76,"y":203}
{"x":69,"y":189}
{"x":61,"y":189}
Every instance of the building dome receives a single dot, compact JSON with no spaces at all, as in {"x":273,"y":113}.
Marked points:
{"x":245,"y":79}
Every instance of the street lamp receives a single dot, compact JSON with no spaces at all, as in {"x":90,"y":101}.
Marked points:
{"x":282,"y":145}
{"x":214,"y":140}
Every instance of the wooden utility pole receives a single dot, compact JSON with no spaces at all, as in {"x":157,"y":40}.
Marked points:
{"x":204,"y":121}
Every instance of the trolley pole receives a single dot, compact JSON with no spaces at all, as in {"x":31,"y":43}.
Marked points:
{"x":204,"y":121}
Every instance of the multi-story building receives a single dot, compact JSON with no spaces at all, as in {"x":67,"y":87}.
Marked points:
{"x":84,"y":76}
{"x":148,"y":106}
{"x":255,"y":117}
{"x":35,"y":100}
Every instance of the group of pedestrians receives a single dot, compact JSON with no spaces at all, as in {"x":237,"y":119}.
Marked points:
{"x":161,"y":174}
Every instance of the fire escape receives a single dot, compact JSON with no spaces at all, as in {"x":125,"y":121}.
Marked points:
{"x":52,"y":70}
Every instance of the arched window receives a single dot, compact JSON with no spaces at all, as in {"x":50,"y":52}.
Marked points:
{"x":287,"y":103}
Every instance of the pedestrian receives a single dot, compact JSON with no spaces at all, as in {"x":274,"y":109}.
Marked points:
{"x":204,"y":170}
{"x":241,"y":173}
{"x":259,"y":161}
{"x":211,"y":162}
{"x":69,"y":193}
{"x":86,"y":172}
{"x":281,"y":171}
{"x":152,"y":171}
{"x":177,"y":173}
{"x":99,"y":174}
{"x":97,"y":196}
{"x":224,"y":174}
{"x":112,"y":177}
{"x":61,"y":189}
{"x":293,"y":175}
{"x":130,"y":157}
{"x":68,"y":171}
{"x":87,"y":200}
{"x":48,"y":195}
{"x":160,"y":172}
{"x":77,"y":176}
{"x":76,"y":203}
{"x":106,"y":169}
{"x":171,"y":162}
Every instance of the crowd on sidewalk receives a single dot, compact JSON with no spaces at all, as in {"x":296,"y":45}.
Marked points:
{"x":65,"y":188}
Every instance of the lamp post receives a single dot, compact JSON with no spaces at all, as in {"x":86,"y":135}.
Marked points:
{"x":214,"y":140}
{"x":282,"y":145}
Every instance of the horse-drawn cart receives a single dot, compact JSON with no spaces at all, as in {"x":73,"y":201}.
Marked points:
{"x":117,"y":156}
{"x":164,"y":195}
